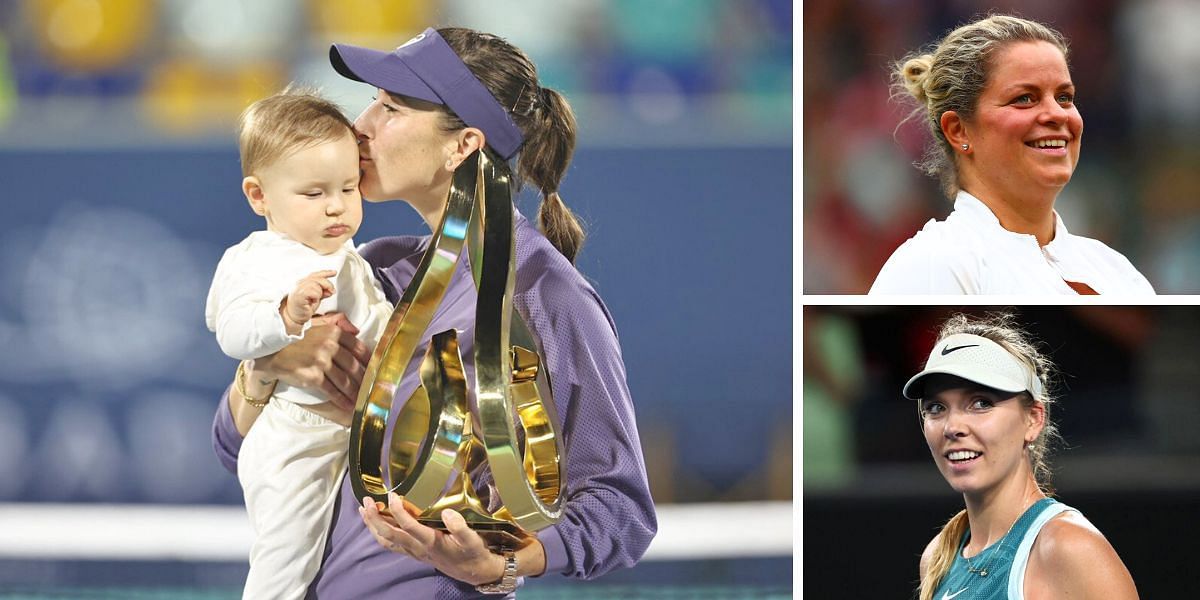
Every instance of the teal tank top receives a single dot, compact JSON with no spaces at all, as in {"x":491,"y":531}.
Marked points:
{"x":998,"y":573}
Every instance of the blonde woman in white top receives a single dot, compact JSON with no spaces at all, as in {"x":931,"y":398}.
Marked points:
{"x":1000,"y":103}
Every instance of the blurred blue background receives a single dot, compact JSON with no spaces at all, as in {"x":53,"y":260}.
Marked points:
{"x":121,"y":178}
{"x":122,"y":183}
{"x":1137,"y":186}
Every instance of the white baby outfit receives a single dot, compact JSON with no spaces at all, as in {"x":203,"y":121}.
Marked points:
{"x":291,"y":463}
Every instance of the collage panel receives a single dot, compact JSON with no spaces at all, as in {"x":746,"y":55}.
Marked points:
{"x":1000,"y":148}
{"x":1007,"y":450}
{"x":396,"y":299}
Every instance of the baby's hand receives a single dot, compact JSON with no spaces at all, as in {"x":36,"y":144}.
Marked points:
{"x":302,"y":303}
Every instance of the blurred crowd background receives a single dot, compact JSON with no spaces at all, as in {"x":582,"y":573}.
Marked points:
{"x":1127,"y":408}
{"x":184,"y":69}
{"x":1137,"y":186}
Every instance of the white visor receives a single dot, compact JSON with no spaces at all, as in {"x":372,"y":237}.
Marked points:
{"x":975,"y":359}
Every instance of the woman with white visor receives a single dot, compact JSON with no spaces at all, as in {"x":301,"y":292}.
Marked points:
{"x":985,"y":412}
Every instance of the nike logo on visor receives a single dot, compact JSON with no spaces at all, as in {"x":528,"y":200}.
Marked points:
{"x":948,"y":350}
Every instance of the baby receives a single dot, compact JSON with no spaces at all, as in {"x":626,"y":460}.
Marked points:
{"x":300,"y":166}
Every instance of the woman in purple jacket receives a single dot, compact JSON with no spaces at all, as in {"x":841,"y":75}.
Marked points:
{"x":440,"y":97}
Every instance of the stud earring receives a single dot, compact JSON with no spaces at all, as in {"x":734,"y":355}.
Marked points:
{"x":964,"y":147}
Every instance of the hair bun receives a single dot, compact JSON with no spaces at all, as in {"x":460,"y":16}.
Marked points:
{"x":916,"y":76}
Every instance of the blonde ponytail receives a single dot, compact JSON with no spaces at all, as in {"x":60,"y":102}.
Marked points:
{"x":943,"y":554}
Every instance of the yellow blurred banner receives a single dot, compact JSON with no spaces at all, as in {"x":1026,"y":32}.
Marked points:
{"x":91,"y":35}
{"x":187,"y":95}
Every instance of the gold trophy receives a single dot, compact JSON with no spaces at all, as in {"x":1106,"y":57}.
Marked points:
{"x":438,"y":444}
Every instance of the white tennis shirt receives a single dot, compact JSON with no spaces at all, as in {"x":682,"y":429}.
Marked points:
{"x":971,"y":253}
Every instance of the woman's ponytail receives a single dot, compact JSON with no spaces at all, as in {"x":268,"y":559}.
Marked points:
{"x":544,"y":117}
{"x":943,"y":554}
{"x":549,"y":145}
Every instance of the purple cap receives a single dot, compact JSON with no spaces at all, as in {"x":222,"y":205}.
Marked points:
{"x":426,"y":68}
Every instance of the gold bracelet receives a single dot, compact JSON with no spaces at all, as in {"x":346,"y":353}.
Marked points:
{"x":239,"y":383}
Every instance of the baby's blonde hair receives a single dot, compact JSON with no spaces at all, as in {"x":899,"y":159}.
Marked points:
{"x":294,"y":119}
{"x":951,"y":74}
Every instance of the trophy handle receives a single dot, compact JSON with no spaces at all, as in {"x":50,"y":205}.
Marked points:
{"x":403,"y":333}
{"x":431,"y":429}
{"x":529,"y":482}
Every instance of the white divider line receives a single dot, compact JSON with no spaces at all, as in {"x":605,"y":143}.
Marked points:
{"x":722,"y":530}
{"x":219,"y":533}
{"x":124,"y":532}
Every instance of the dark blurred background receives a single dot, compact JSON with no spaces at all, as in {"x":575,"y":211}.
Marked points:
{"x":1129,"y":410}
{"x":121,"y":178}
{"x":1137,"y":186}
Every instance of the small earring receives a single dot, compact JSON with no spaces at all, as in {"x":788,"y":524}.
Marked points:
{"x":964,"y":147}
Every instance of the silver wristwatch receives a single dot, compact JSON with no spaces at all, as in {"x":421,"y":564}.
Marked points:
{"x":508,"y":581}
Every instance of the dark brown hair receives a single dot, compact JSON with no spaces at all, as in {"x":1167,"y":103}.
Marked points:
{"x":542,"y":114}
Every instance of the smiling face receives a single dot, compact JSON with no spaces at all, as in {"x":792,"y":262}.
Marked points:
{"x":311,"y":195}
{"x":977,"y":435}
{"x":1025,"y":134}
